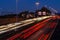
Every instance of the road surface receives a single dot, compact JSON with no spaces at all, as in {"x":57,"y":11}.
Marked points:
{"x":37,"y":30}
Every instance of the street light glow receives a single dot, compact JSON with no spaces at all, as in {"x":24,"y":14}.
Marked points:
{"x":37,"y":3}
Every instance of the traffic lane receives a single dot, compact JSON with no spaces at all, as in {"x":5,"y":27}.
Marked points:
{"x":37,"y":34}
{"x":47,"y":34}
{"x":5,"y":29}
{"x":44,"y":36}
{"x":35,"y":25}
{"x":9,"y":33}
{"x":22,"y":22}
{"x":43,"y":30}
{"x":56,"y":34}
{"x":12,"y":26}
{"x":17,"y":35}
{"x":13,"y":32}
{"x":49,"y":27}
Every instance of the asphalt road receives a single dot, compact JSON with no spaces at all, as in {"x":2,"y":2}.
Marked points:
{"x":56,"y":34}
{"x":39,"y":31}
{"x":47,"y":29}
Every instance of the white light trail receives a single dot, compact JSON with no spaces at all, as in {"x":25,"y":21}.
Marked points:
{"x":8,"y":27}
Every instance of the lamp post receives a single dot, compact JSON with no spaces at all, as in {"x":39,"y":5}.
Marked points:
{"x":37,"y":4}
{"x":16,"y":10}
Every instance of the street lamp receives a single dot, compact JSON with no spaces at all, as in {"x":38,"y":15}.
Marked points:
{"x":37,"y":4}
{"x":16,"y":10}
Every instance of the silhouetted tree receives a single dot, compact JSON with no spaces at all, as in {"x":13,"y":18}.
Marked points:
{"x":23,"y":14}
{"x":30,"y":15}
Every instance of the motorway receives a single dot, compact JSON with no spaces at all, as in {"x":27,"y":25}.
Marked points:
{"x":40,"y":28}
{"x":8,"y":27}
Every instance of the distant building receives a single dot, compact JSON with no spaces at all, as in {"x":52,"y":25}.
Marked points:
{"x":43,"y":12}
{"x":30,"y":15}
{"x":23,"y":14}
{"x":26,"y":15}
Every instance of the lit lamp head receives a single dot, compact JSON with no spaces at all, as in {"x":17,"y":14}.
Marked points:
{"x":37,"y":3}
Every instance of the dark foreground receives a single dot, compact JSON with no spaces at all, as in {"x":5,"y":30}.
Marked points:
{"x":56,"y":34}
{"x":42,"y":30}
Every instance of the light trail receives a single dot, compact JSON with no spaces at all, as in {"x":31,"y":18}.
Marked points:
{"x":14,"y":27}
{"x":27,"y":33}
{"x":24,"y":32}
{"x":34,"y":30}
{"x":8,"y":27}
{"x":45,"y":36}
{"x":41,"y":31}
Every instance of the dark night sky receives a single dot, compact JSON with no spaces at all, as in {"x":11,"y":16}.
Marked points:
{"x":10,"y":5}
